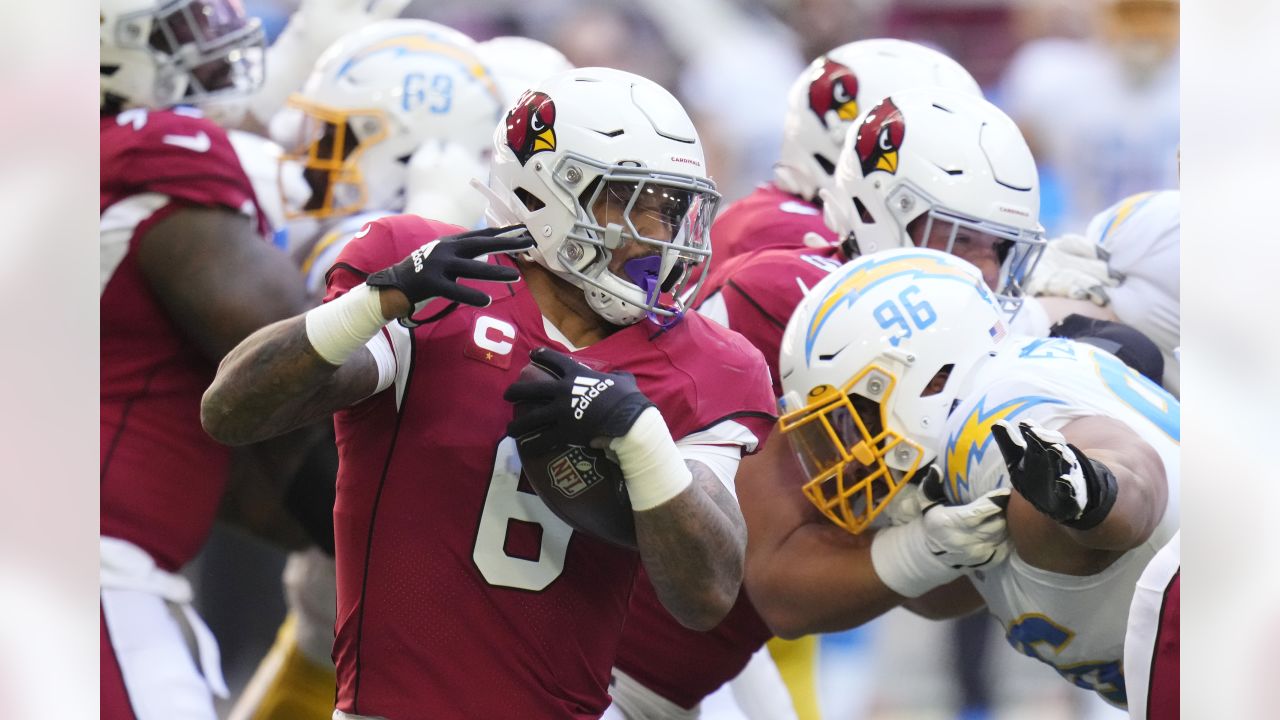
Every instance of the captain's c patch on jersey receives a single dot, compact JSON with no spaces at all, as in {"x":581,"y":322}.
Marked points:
{"x":492,"y":341}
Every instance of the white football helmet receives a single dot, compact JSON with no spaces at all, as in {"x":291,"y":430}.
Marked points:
{"x":938,"y":168}
{"x":843,"y":84}
{"x":158,"y":53}
{"x":520,"y":62}
{"x":372,"y":99}
{"x":871,"y":362}
{"x":596,"y":158}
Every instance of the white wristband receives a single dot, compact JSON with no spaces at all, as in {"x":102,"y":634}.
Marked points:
{"x":338,"y":328}
{"x":651,"y":463}
{"x":903,"y":561}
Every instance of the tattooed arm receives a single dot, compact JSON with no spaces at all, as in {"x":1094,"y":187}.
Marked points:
{"x":692,"y":547}
{"x":275,"y":381}
{"x":308,"y":366}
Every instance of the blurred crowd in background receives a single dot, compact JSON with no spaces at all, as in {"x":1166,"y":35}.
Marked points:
{"x":1093,"y":84}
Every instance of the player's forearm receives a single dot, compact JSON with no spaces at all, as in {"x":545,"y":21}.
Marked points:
{"x":692,"y":547}
{"x":819,"y":579}
{"x":1141,"y":496}
{"x":953,"y":600}
{"x":269,"y":384}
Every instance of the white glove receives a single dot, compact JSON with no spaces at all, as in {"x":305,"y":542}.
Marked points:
{"x":315,"y":26}
{"x":439,"y":183}
{"x":942,"y":544}
{"x":1073,"y":267}
{"x":310,"y":592}
{"x":911,"y":501}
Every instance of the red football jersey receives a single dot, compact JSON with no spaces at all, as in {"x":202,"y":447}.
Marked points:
{"x":683,"y":665}
{"x":768,"y":217}
{"x":460,"y":595}
{"x":161,"y":475}
{"x":760,"y":290}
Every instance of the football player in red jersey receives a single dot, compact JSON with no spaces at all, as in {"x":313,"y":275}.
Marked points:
{"x":187,"y":273}
{"x":822,"y":105}
{"x":460,"y":594}
{"x":662,"y":668}
{"x":352,"y":128}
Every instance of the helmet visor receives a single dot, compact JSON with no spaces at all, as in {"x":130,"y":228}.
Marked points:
{"x":1005,"y":255}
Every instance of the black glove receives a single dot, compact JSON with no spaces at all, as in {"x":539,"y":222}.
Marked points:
{"x":1054,"y":476}
{"x":572,"y":404}
{"x":430,"y":271}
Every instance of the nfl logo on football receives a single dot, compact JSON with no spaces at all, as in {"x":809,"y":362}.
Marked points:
{"x":573,"y":471}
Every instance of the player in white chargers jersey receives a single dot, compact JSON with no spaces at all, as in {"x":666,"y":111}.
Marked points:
{"x":903,"y":386}
{"x":371,"y":101}
{"x":1125,"y":268}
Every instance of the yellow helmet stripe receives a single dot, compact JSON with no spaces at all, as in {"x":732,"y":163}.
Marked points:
{"x":1123,"y":211}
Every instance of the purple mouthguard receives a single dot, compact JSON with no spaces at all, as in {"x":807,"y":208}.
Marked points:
{"x":643,"y":271}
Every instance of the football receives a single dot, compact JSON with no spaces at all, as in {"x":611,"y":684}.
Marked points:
{"x":582,"y":486}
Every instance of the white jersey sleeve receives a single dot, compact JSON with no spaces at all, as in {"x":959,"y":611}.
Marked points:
{"x":720,"y":447}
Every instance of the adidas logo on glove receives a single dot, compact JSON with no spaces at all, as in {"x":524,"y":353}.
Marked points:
{"x":586,"y":389}
{"x":421,"y":253}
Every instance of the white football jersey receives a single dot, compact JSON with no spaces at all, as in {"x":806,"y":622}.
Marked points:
{"x":316,"y":259}
{"x":1142,"y":235}
{"x":1074,"y":623}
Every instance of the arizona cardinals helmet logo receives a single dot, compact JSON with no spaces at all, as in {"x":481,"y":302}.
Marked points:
{"x":835,"y":87}
{"x":531,"y":125}
{"x":880,"y":138}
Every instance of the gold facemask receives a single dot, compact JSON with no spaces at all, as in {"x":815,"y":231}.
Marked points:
{"x":329,"y":150}
{"x":842,"y":442}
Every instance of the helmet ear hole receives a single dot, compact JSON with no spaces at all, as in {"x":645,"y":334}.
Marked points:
{"x":827,"y":166}
{"x":531,"y":203}
{"x":939,"y":381}
{"x":863,"y":212}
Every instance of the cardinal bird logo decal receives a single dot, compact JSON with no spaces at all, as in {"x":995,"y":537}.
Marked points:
{"x":531,"y":125}
{"x":880,"y":138}
{"x":834,"y":88}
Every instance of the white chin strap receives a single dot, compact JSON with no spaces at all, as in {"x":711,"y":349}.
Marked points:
{"x":609,"y":304}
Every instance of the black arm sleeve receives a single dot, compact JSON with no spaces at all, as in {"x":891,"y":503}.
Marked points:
{"x":1131,"y":346}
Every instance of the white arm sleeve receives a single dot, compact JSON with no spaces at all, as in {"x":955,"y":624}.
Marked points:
{"x":390,"y":349}
{"x":720,"y":448}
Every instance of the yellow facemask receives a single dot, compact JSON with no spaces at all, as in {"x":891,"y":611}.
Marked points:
{"x":327,"y":145}
{"x":842,"y":444}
